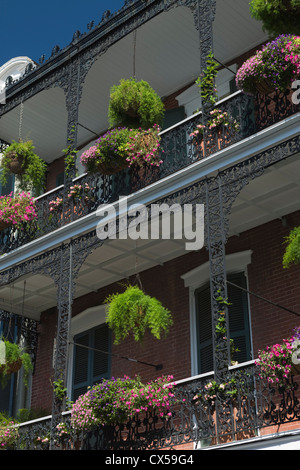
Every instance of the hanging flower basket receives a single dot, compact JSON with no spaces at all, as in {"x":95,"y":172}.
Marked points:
{"x":134,"y":312}
{"x":274,"y":67}
{"x":119,"y":148}
{"x":134,"y":104}
{"x":15,"y":163}
{"x":15,"y":358}
{"x":19,"y":158}
{"x":18,"y":210}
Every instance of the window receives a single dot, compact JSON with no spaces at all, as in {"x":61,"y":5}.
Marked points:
{"x":89,"y":364}
{"x":8,"y":187}
{"x":197,"y":281}
{"x":238,"y":315}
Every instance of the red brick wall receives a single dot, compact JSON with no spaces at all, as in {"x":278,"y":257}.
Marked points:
{"x":42,"y":390}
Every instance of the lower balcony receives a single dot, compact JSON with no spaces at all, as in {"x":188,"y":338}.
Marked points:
{"x":244,"y":409}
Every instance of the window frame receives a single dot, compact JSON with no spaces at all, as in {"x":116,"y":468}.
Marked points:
{"x":84,"y":322}
{"x":197,"y":278}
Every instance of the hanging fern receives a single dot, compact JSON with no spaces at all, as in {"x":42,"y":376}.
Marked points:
{"x":134,"y":312}
{"x":292,"y":251}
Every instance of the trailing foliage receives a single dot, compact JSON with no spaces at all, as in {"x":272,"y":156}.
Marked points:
{"x":134,"y":104}
{"x":15,"y":357}
{"x":34,"y":168}
{"x":277,"y":16}
{"x":292,"y":251}
{"x":206,"y":81}
{"x":134,"y":312}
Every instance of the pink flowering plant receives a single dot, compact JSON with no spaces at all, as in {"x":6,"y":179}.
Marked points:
{"x":217,"y":119}
{"x":275,"y":362}
{"x":8,"y":432}
{"x":115,"y":401}
{"x":78,"y":192}
{"x":17,"y":210}
{"x":278,"y":62}
{"x":124,"y":147}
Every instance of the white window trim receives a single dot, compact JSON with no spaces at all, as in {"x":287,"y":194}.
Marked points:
{"x":84,"y":321}
{"x":236,"y":262}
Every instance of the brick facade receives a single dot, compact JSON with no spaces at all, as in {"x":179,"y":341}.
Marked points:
{"x":270,"y":324}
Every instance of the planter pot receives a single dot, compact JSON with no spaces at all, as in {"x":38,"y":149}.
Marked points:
{"x":264,"y":87}
{"x":111,"y":168}
{"x":295,"y":369}
{"x":15,"y":163}
{"x":4,"y":225}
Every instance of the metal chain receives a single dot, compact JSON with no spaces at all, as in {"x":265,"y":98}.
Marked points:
{"x":21,"y":120}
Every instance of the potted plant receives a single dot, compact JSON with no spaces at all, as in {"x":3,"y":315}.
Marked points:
{"x":8,"y":432}
{"x":134,"y":312}
{"x":15,"y":358}
{"x":115,"y":401}
{"x":279,"y":361}
{"x":292,"y":251}
{"x":30,"y":169}
{"x":274,"y":67}
{"x":18,"y":210}
{"x":278,"y":17}
{"x":121,"y":147}
{"x":218,"y":121}
{"x":134,"y":104}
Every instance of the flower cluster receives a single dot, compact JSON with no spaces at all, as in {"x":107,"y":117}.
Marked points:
{"x":18,"y":209}
{"x":218,"y":118}
{"x":278,"y":62}
{"x":115,"y":401}
{"x":56,"y":203}
{"x":214,"y":390}
{"x":8,"y":434}
{"x":144,"y":147}
{"x":123,"y":146}
{"x":276,"y":362}
{"x":77,"y":191}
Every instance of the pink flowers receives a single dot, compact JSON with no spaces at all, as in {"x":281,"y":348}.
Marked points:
{"x":115,"y":401}
{"x":18,"y":209}
{"x":276,"y":362}
{"x":278,"y":62}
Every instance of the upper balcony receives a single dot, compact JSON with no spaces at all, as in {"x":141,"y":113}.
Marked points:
{"x":151,"y":41}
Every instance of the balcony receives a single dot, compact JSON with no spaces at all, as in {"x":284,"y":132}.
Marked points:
{"x":247,"y":410}
{"x":178,"y":152}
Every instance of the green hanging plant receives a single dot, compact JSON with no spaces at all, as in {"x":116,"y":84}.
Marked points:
{"x":15,"y":358}
{"x":277,"y":16}
{"x":134,"y":312}
{"x":292,"y":251}
{"x":206,"y":81}
{"x":134,"y":104}
{"x":30,"y":170}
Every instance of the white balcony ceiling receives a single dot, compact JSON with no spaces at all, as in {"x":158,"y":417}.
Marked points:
{"x":167,"y":56}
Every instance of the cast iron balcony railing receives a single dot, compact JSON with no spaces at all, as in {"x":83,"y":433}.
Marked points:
{"x":245,"y":406}
{"x":179,"y":150}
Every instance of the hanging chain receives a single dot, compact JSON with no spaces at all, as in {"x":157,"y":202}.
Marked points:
{"x":134,"y":50}
{"x":21,"y":120}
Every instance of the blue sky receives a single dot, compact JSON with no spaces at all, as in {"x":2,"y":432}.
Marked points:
{"x":33,"y":27}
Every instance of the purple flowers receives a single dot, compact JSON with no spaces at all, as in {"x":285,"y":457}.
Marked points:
{"x":278,"y":62}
